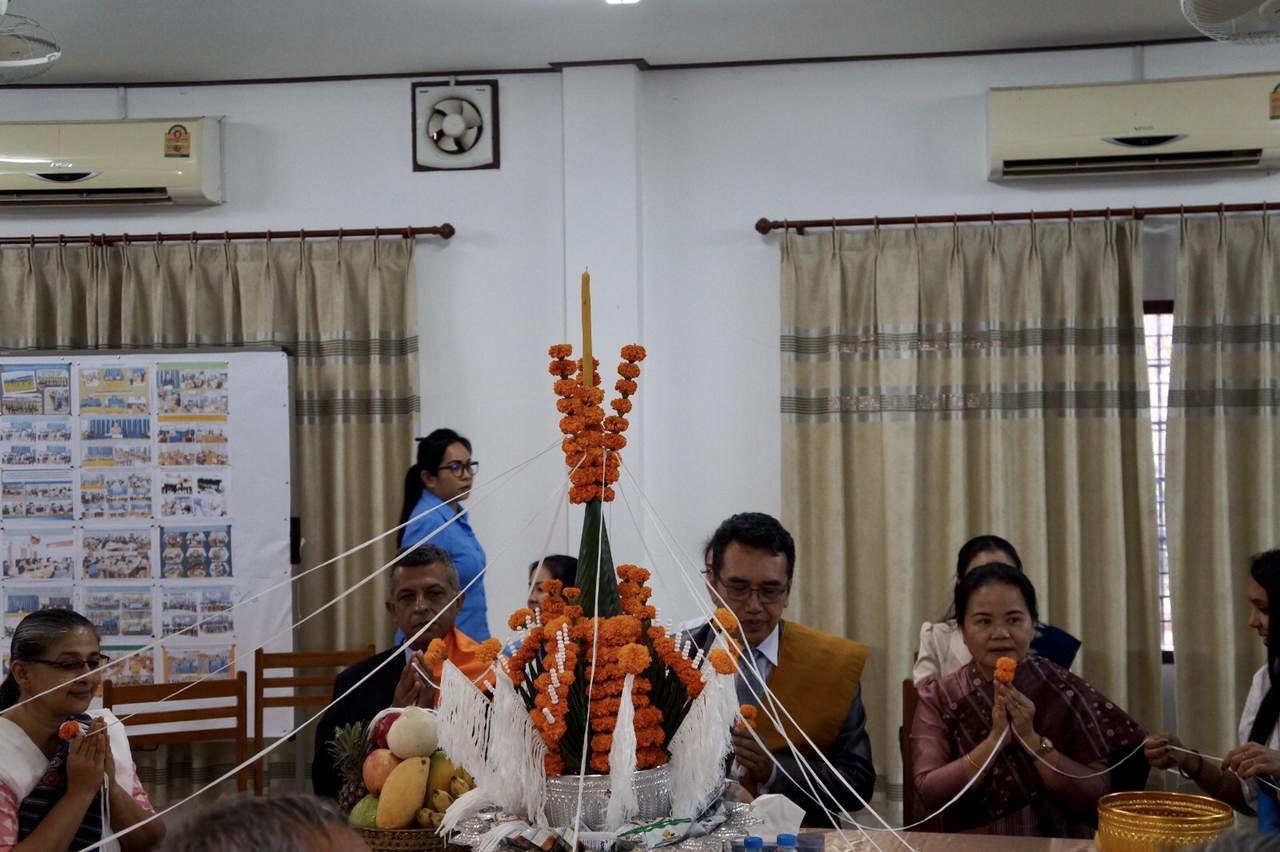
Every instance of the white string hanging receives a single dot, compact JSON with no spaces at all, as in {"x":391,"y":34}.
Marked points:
{"x":190,"y":630}
{"x":560,"y":491}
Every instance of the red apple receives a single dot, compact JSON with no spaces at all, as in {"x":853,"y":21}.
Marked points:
{"x":378,"y":736}
{"x":377,"y":766}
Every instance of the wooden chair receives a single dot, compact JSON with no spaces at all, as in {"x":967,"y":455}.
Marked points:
{"x":912,"y":806}
{"x":122,"y":700}
{"x":306,"y":691}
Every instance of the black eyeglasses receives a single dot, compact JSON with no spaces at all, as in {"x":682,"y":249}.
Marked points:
{"x":740,"y":591}
{"x":75,"y":666}
{"x":456,"y":468}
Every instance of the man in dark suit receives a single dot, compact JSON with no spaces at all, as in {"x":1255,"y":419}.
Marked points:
{"x":423,"y":585}
{"x":814,"y":675}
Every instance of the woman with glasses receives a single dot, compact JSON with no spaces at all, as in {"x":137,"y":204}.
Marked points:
{"x":434,"y":488}
{"x":58,"y":793}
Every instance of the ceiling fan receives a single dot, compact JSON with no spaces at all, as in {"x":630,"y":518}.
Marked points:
{"x":1236,"y":21}
{"x":26,"y":48}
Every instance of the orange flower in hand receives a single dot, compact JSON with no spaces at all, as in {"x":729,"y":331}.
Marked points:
{"x":1006,"y":667}
{"x":435,"y":654}
{"x":69,"y":730}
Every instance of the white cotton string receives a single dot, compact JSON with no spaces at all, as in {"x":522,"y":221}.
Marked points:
{"x":190,"y":631}
{"x":330,"y":603}
{"x":1219,"y":761}
{"x":1064,"y":774}
{"x":595,"y":659}
{"x":802,"y":763}
{"x":399,"y":651}
{"x":805,"y":769}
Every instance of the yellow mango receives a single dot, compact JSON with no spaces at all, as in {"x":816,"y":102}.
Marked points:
{"x":403,"y":794}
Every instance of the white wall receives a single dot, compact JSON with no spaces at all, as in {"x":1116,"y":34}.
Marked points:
{"x":716,"y":149}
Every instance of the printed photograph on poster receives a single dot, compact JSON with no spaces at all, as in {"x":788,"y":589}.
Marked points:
{"x":209,"y":607}
{"x":43,"y":443}
{"x":115,"y":441}
{"x":36,"y":495}
{"x":140,"y":668}
{"x":21,"y":601}
{"x":38,"y":554}
{"x":35,"y":389}
{"x":114,"y":390}
{"x":123,"y":554}
{"x":187,"y":664}
{"x":192,"y":391}
{"x":186,"y":494}
{"x":192,"y":445}
{"x":115,"y":494}
{"x":195,"y":552}
{"x":120,"y":612}
{"x":179,"y":611}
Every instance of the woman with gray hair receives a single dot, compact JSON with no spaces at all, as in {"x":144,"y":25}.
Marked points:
{"x":66,"y":776}
{"x":296,"y":823}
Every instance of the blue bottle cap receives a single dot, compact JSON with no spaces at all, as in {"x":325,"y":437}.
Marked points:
{"x":753,"y":842}
{"x":786,"y":841}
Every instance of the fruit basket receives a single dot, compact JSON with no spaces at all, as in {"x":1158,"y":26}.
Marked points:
{"x":396,"y":783}
{"x":402,"y":840}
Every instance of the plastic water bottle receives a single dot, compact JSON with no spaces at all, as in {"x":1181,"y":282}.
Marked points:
{"x":751,"y":842}
{"x":786,"y":842}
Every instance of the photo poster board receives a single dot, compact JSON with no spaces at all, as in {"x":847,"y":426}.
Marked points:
{"x":150,"y":491}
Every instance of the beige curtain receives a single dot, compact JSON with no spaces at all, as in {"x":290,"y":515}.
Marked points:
{"x":941,"y":383}
{"x":1223,"y":463}
{"x":343,"y":310}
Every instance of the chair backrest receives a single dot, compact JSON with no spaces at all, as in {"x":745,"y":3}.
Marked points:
{"x":221,"y":699}
{"x":311,"y":690}
{"x":909,"y":804}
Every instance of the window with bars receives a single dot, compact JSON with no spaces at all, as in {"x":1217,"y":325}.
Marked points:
{"x":1159,"y":345}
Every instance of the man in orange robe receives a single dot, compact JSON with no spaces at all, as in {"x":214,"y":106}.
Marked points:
{"x":423,"y":589}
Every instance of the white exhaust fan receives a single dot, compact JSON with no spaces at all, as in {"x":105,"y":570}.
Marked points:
{"x":26,"y":48}
{"x":1238,"y":21}
{"x":455,"y":125}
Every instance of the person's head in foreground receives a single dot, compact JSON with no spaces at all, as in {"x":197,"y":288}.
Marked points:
{"x":295,"y":823}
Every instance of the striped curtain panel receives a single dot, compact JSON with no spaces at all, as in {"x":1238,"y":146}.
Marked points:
{"x":345,"y":313}
{"x":947,"y":382}
{"x":1223,"y":463}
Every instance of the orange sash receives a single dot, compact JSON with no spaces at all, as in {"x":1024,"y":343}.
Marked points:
{"x":816,"y":678}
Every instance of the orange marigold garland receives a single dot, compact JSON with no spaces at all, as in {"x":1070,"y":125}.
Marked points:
{"x":593,"y":437}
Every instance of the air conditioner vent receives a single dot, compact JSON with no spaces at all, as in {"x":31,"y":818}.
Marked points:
{"x":1064,"y":166}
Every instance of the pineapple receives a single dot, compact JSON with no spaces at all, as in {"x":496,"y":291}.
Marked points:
{"x":348,"y":749}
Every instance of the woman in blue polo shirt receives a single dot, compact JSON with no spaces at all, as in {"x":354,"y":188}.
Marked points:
{"x":434,"y":489}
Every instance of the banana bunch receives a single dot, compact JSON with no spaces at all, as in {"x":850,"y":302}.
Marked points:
{"x":446,"y":784}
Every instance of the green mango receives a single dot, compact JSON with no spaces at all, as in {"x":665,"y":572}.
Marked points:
{"x":364,"y":813}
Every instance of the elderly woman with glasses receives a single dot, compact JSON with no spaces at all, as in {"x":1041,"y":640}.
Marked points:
{"x":434,"y":488}
{"x":67,"y":779}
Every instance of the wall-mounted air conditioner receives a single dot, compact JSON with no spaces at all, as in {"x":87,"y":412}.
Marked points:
{"x":1194,"y":124}
{"x":141,"y":161}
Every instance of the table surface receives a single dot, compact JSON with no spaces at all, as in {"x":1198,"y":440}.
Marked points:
{"x":927,"y":842}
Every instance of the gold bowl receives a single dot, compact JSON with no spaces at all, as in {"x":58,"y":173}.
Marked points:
{"x":1148,"y":821}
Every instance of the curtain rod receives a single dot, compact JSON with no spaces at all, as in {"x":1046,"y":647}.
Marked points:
{"x":764,"y":226}
{"x":444,"y":231}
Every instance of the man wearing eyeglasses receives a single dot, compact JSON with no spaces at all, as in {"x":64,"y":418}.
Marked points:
{"x":815,"y":676}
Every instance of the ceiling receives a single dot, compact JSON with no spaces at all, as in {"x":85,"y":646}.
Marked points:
{"x":186,"y":40}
